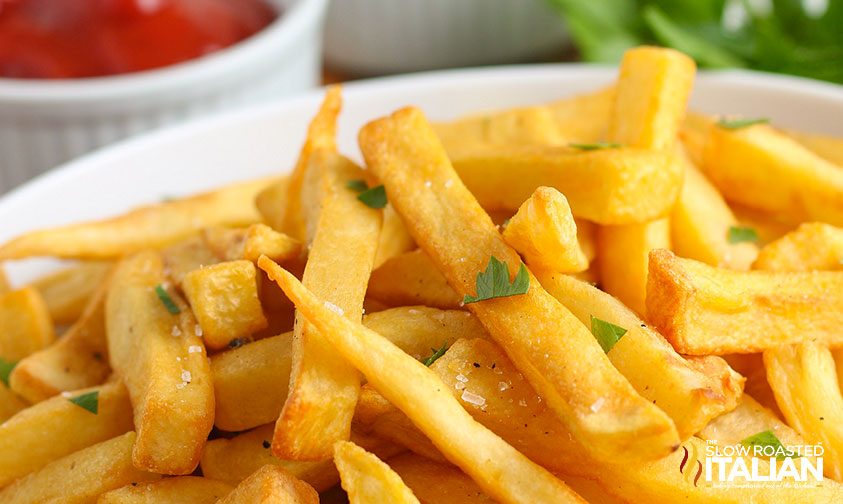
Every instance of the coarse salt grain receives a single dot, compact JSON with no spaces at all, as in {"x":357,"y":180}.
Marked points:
{"x":472,"y":398}
{"x":462,"y":378}
{"x":197,"y":330}
{"x":185,"y":376}
{"x":194,"y":349}
{"x":595,"y":407}
{"x":334,"y":308}
{"x":176,"y":331}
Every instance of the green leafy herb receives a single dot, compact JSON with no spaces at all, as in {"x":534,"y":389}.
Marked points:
{"x":6,"y":368}
{"x":595,"y":146}
{"x":358,"y":185}
{"x":766,"y":439}
{"x":436,"y":354}
{"x":733,"y":124}
{"x":738,"y":234}
{"x":374,"y":197}
{"x":607,"y":334}
{"x":494,"y":282}
{"x":89,"y":401}
{"x":166,"y":300}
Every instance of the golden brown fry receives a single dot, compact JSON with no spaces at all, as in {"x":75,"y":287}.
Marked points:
{"x":700,"y":223}
{"x":763,"y":169}
{"x":67,"y":292}
{"x":751,"y":367}
{"x":367,"y":479}
{"x":81,"y":476}
{"x":544,"y":233}
{"x":804,"y":380}
{"x":231,"y":244}
{"x":411,"y":279}
{"x":321,"y":135}
{"x":187,"y":255}
{"x":604,"y":185}
{"x":324,"y":388}
{"x":271,"y":202}
{"x":434,"y":482}
{"x":812,"y":246}
{"x":10,"y":403}
{"x":825,"y":146}
{"x":25,"y":324}
{"x":224,"y":298}
{"x":565,"y":362}
{"x":57,"y":427}
{"x":178,"y":490}
{"x":690,"y":390}
{"x":271,"y":484}
{"x":769,"y":226}
{"x":584,"y":118}
{"x":394,"y":239}
{"x":704,"y":310}
{"x":79,"y":359}
{"x":499,"y":469}
{"x":163,"y":364}
{"x":145,"y":227}
{"x":747,"y":419}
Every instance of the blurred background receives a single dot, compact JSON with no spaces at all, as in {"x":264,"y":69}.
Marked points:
{"x":78,"y":75}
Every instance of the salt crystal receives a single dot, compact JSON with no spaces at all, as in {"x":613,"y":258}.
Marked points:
{"x":428,"y":183}
{"x":448,"y":183}
{"x":597,"y":404}
{"x":522,"y":403}
{"x":472,"y":398}
{"x":462,"y":378}
{"x":502,"y":386}
{"x":185,"y":376}
{"x":194,"y":349}
{"x":334,"y":308}
{"x":176,"y":331}
{"x":197,"y":330}
{"x":459,"y":386}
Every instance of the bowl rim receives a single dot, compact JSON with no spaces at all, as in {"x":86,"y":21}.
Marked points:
{"x":284,"y":31}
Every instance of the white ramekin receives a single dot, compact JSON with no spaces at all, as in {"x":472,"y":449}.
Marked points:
{"x":369,"y":37}
{"x":44,"y":123}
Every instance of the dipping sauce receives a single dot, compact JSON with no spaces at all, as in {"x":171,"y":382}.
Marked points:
{"x":68,"y":39}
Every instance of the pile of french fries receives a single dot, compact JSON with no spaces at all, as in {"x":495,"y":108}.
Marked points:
{"x":548,"y":304}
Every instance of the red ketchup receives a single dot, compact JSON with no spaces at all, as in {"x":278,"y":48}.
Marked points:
{"x":67,"y":39}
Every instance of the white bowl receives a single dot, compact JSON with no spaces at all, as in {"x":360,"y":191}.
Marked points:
{"x":263,"y":140}
{"x":44,"y":123}
{"x":369,"y":37}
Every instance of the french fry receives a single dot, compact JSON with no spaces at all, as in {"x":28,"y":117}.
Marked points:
{"x":321,"y":135}
{"x":543,"y":231}
{"x":186,"y":256}
{"x":57,"y":427}
{"x":748,"y":418}
{"x":650,"y":100}
{"x":66,"y":292}
{"x":178,"y":490}
{"x":691,"y":391}
{"x":812,"y":246}
{"x":367,"y":479}
{"x":145,"y":227}
{"x":394,"y":239}
{"x":434,"y":482}
{"x":700,"y":223}
{"x":804,"y":380}
{"x":163,"y":364}
{"x":565,"y":363}
{"x":272,"y":201}
{"x":765,"y":170}
{"x":81,"y":476}
{"x":769,"y":226}
{"x":751,"y":367}
{"x":324,"y":388}
{"x":704,"y":310}
{"x":692,"y":134}
{"x":411,"y":279}
{"x":828,"y":147}
{"x":10,"y":403}
{"x":79,"y":359}
{"x":500,"y":470}
{"x":5,"y":286}
{"x":269,"y":485}
{"x":584,"y":118}
{"x":232,"y":244}
{"x":224,"y":298}
{"x":604,"y":186}
{"x":25,"y":324}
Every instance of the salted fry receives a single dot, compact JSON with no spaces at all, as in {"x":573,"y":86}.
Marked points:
{"x":81,"y":476}
{"x":704,"y":310}
{"x":700,"y":223}
{"x":269,"y":485}
{"x":812,"y":246}
{"x":224,"y":298}
{"x":367,"y":479}
{"x":178,"y":490}
{"x":324,"y":387}
{"x":543,"y":231}
{"x":604,"y":185}
{"x":411,"y":279}
{"x":25,"y":324}
{"x":566,"y":364}
{"x":163,"y":364}
{"x":145,"y":227}
{"x":765,"y":170}
{"x":77,"y":360}
{"x":748,"y":418}
{"x":232,"y":244}
{"x":67,"y":292}
{"x":692,"y":390}
{"x":434,"y":482}
{"x":499,"y":469}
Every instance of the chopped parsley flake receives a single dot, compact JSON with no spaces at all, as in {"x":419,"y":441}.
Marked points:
{"x":374,"y":197}
{"x":738,"y":234}
{"x":358,"y":185}
{"x":733,"y":124}
{"x":436,"y":354}
{"x":607,"y":334}
{"x":6,"y":368}
{"x":766,"y":439}
{"x":595,"y":146}
{"x":494,"y":282}
{"x":166,"y":300}
{"x":89,"y":401}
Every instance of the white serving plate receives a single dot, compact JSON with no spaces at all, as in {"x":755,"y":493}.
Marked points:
{"x":263,"y":140}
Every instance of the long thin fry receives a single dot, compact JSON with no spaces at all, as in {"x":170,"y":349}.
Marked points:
{"x":367,"y":479}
